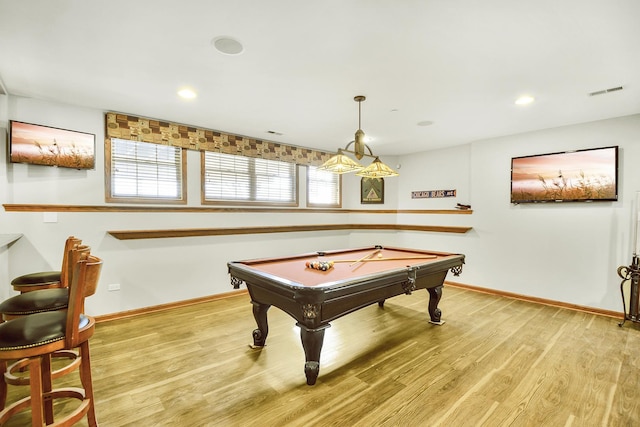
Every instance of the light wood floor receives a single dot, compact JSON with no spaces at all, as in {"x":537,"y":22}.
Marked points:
{"x":495,"y":362}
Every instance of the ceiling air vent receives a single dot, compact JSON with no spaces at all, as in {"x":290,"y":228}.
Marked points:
{"x":602,"y":92}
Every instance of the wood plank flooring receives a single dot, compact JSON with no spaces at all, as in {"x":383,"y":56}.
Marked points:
{"x":495,"y":362}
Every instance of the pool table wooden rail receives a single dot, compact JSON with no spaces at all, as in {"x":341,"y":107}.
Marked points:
{"x":309,"y":306}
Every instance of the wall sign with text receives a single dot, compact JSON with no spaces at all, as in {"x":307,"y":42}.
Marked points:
{"x":432,"y":194}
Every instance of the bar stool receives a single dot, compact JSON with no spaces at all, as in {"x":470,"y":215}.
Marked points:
{"x":37,"y":336}
{"x":46,"y":299}
{"x":46,"y":279}
{"x":39,"y":302}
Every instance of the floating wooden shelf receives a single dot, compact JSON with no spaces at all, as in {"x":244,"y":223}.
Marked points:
{"x":196,"y":209}
{"x":191,"y":232}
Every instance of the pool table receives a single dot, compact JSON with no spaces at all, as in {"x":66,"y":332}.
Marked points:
{"x":342,"y":282}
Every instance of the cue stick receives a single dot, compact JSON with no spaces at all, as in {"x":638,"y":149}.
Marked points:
{"x":365,"y":257}
{"x":387,"y":259}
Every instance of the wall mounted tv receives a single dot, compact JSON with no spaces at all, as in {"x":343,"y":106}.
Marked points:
{"x":49,"y":146}
{"x":572,"y":176}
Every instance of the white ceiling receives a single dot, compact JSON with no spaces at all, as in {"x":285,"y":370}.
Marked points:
{"x":457,"y":63}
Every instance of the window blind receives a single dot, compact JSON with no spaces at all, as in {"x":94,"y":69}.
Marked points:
{"x":145,"y":170}
{"x":323,"y":188}
{"x":228,"y":177}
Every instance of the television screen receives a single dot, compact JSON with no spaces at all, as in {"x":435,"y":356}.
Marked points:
{"x":572,"y":176}
{"x":44,"y":145}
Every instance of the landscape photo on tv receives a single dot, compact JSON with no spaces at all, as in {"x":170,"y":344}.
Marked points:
{"x":49,"y":146}
{"x":572,"y":176}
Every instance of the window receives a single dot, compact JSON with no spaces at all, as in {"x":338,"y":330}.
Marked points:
{"x":145,"y":172}
{"x":229,"y":178}
{"x":323,"y":188}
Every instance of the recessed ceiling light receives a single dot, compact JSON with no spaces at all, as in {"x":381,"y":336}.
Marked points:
{"x":187,"y":93}
{"x":425,"y":123}
{"x":227,"y":45}
{"x":524,"y":100}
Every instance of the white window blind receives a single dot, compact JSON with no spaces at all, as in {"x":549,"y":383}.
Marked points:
{"x":323,"y":188}
{"x":145,"y":170}
{"x":232,"y":178}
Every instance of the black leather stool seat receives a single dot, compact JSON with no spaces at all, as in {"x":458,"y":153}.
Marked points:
{"x":43,"y":278}
{"x":35,"y":330}
{"x":35,"y":302}
{"x":48,"y":279}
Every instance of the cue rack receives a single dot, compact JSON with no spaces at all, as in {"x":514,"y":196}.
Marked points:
{"x":631,"y":272}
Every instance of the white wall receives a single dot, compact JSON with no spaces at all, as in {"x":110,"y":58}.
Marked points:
{"x":564,"y":252}
{"x":153,"y":271}
{"x":4,"y":249}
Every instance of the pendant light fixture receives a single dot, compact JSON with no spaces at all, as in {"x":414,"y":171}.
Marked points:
{"x":340,"y":163}
{"x":377,"y":169}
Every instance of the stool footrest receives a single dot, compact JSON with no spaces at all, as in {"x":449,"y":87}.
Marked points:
{"x":58,"y":393}
{"x":22,"y":364}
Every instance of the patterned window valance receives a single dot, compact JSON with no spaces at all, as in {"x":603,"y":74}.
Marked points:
{"x":159,"y":132}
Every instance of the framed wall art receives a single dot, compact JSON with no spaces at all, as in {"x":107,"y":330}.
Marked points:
{"x":372,"y":190}
{"x":49,"y":146}
{"x":572,"y":176}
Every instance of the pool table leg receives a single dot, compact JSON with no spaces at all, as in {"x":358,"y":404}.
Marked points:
{"x":434,"y":298}
{"x":260,"y":314}
{"x":312,"y":340}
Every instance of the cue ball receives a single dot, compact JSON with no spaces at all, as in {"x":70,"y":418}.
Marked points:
{"x":379,"y":255}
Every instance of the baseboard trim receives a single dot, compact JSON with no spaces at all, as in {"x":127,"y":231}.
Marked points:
{"x":168,"y":306}
{"x":186,"y":303}
{"x":553,"y":303}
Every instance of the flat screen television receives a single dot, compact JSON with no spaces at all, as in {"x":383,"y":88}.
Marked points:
{"x":572,"y":176}
{"x":49,"y":146}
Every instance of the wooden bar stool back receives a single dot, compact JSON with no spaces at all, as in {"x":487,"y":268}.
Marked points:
{"x":47,"y":279}
{"x":40,"y":302}
{"x":37,"y":337}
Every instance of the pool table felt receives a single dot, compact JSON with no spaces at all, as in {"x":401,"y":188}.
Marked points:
{"x":295,"y":271}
